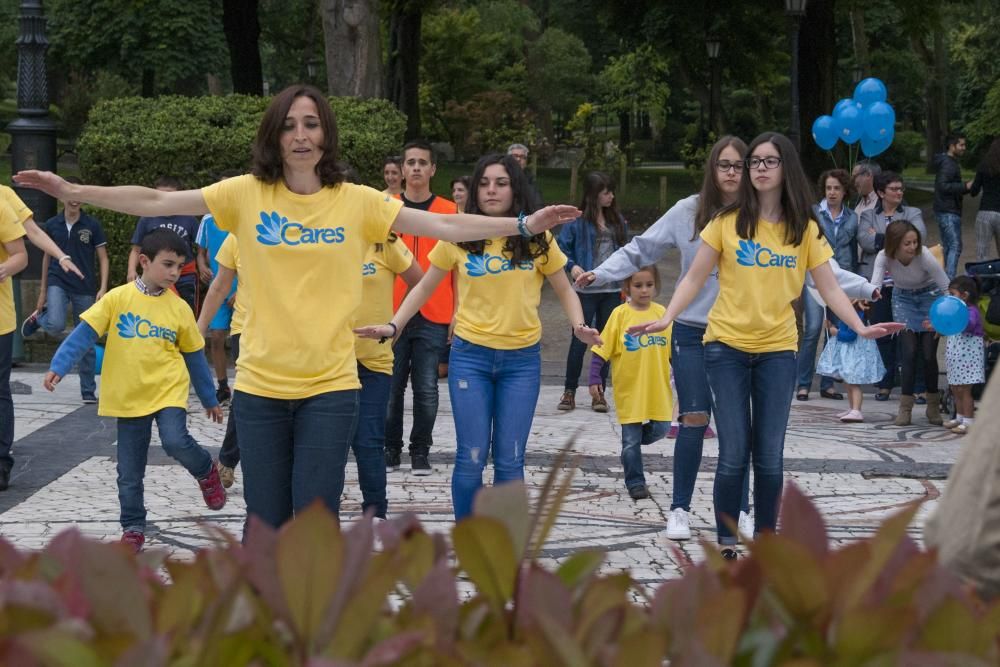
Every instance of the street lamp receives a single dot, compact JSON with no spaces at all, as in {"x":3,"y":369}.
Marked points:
{"x":795,"y":10}
{"x":858,"y":73}
{"x":312,"y":66}
{"x":712,"y":45}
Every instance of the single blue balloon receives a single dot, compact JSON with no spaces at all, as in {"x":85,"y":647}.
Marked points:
{"x":870,"y":91}
{"x":850,"y":124}
{"x":949,"y":315}
{"x":99,"y":362}
{"x":880,"y":119}
{"x":846,"y":102}
{"x":825,"y":132}
{"x":872,"y":147}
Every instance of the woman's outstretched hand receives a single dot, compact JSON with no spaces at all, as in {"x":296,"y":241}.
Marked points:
{"x":46,"y":181}
{"x":880,"y":330}
{"x":585,"y":279}
{"x":649,"y":327}
{"x":550,"y":216}
{"x":380,"y":332}
{"x":588,"y":335}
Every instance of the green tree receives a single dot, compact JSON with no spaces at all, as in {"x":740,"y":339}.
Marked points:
{"x":559,"y":75}
{"x":635,"y":80}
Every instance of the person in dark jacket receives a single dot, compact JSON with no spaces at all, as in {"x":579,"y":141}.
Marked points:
{"x":949,"y":188}
{"x":988,"y":219}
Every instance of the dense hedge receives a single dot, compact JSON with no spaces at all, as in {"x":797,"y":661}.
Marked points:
{"x":136,"y":140}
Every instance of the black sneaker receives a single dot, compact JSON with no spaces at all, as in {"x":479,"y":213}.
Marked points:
{"x":729,"y":554}
{"x":4,"y":478}
{"x":391,"y":460}
{"x":639,"y":492}
{"x":223,"y":395}
{"x":30,"y":324}
{"x":419,"y":465}
{"x":89,"y":398}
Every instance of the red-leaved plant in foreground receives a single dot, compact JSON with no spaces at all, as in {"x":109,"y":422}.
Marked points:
{"x":312,"y":595}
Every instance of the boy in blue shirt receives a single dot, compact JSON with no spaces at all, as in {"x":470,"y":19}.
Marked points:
{"x":152,"y":336}
{"x":82,"y":238}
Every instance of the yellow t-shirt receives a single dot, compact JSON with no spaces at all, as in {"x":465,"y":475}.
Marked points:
{"x":498,"y":299}
{"x":378,"y":275}
{"x":758,"y":280}
{"x":640,"y":365}
{"x":228,"y":256}
{"x":10,"y":230}
{"x":143,"y":368}
{"x":21,"y":209}
{"x":299,"y":259}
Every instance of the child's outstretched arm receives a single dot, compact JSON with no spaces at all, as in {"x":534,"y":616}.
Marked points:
{"x":71,"y":351}
{"x":201,"y":378}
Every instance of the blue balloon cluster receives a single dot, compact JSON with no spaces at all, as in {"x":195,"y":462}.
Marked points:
{"x":866,"y":117}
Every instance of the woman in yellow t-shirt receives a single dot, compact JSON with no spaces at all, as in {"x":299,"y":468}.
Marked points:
{"x":494,"y":370}
{"x":303,"y":232}
{"x":763,"y":246}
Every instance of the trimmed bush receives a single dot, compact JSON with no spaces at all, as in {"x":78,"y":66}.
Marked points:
{"x":136,"y":140}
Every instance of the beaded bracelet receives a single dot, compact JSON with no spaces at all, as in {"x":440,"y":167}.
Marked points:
{"x":522,"y":225}
{"x":395,"y":330}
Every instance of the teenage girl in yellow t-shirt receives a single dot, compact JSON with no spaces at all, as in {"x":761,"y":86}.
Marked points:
{"x":763,"y":246}
{"x":641,"y":369}
{"x":495,"y":363}
{"x":303,"y":233}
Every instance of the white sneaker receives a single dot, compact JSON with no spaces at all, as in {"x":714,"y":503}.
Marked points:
{"x":678,"y":525}
{"x":952,"y":423}
{"x":745,"y":526}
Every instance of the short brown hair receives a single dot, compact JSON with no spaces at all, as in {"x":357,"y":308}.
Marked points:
{"x":895,"y":232}
{"x":268,"y":164}
{"x":652,"y":269}
{"x":842,"y":177}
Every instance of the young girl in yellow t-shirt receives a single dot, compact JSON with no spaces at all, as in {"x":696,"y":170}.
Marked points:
{"x":640,"y":365}
{"x":762,"y":246}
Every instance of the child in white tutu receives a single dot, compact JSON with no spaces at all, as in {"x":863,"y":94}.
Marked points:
{"x":854,"y":360}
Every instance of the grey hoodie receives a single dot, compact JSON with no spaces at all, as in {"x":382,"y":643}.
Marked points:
{"x":674,"y":229}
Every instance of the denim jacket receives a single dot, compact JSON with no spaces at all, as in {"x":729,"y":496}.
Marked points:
{"x":577,"y":239}
{"x":843,"y":238}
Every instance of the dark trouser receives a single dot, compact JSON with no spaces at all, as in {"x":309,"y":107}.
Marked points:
{"x":881,"y":312}
{"x":369,"y":440}
{"x":597,"y":307}
{"x":187,"y":288}
{"x":751,"y":397}
{"x":229,"y":455}
{"x":6,"y":402}
{"x":294,"y":452}
{"x":416,"y":353}
{"x":914,"y":346}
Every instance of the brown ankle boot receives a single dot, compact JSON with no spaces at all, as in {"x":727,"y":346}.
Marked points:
{"x":934,"y":409}
{"x":568,"y":401}
{"x":905,"y":410}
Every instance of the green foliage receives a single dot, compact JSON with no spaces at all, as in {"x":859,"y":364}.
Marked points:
{"x":136,"y":140}
{"x":597,"y":153}
{"x":635,"y":80}
{"x":986,"y":124}
{"x":291,"y":34}
{"x":909,"y":145}
{"x":488,"y":122}
{"x":311,"y":594}
{"x":559,"y":71}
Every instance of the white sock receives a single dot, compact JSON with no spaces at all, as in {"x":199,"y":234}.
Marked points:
{"x":967,"y":420}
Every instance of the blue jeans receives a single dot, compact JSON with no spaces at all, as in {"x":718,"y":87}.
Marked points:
{"x":950,"y":225}
{"x":493,"y":397}
{"x":293,"y":452}
{"x":597,"y":307}
{"x":369,"y":441}
{"x":813,"y":315}
{"x":633,"y":436}
{"x":6,"y":402}
{"x":229,"y":455}
{"x":687,"y":359}
{"x":752,"y":396}
{"x":134,"y":434}
{"x":53,"y":320}
{"x":417,"y":353}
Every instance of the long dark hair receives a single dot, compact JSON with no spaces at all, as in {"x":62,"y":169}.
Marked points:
{"x":594,"y":184}
{"x":896,"y":232}
{"x":796,"y":194}
{"x":519,"y":247}
{"x":710,"y":196}
{"x":991,"y":161}
{"x":268,"y":165}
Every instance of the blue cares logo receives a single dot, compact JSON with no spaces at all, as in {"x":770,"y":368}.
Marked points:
{"x":480,"y":265}
{"x":131,"y":325}
{"x":275,"y":229}
{"x":752,"y":253}
{"x":636,"y":343}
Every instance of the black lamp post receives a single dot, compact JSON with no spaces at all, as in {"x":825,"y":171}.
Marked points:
{"x":33,"y":132}
{"x":796,"y":10}
{"x":858,"y":73}
{"x":712,"y":45}
{"x":312,"y":67}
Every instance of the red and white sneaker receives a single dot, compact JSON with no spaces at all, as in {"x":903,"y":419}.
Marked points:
{"x":212,"y":489}
{"x":134,"y":539}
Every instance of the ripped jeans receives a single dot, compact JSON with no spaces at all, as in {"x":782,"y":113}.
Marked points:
{"x":493,"y":396}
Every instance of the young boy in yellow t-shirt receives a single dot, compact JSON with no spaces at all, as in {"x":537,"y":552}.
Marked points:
{"x":640,"y":366}
{"x":152,"y":336}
